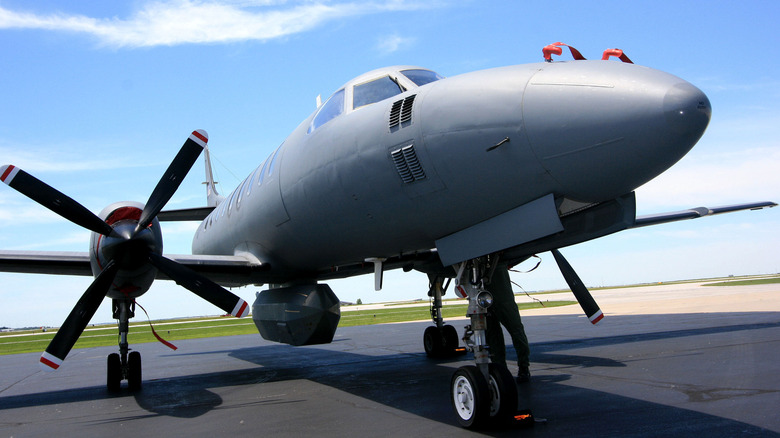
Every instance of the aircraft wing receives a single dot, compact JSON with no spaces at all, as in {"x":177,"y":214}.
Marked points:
{"x":693,"y":213}
{"x":611,"y":217}
{"x":228,"y":271}
{"x":237,"y":271}
{"x":225,"y":270}
{"x":231,"y":271}
{"x":45,"y":262}
{"x":185,"y":214}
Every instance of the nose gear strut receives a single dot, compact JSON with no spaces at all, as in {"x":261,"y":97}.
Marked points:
{"x":484,"y":393}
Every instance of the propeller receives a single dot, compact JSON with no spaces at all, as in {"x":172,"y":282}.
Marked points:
{"x":130,"y":250}
{"x":582,"y":294}
{"x":52,"y":199}
{"x":77,"y":320}
{"x":201,"y":286}
{"x":173,"y":177}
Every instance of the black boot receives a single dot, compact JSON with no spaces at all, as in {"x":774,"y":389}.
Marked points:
{"x":523,"y":375}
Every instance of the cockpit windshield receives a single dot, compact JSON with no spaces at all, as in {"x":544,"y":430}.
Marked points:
{"x":374,"y":91}
{"x":370,"y":88}
{"x":421,"y":77}
{"x":329,"y":110}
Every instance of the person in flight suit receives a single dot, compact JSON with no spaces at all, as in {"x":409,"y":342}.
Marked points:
{"x":504,"y":312}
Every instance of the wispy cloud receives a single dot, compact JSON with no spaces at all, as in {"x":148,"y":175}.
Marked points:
{"x":175,"y":22}
{"x":53,"y":160}
{"x":725,"y":178}
{"x":392,"y":43}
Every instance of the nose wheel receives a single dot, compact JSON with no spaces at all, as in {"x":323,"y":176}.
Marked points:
{"x":470,"y":396}
{"x":479,"y":402}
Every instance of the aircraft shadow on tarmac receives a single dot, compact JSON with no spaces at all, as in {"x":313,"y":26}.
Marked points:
{"x":413,"y":383}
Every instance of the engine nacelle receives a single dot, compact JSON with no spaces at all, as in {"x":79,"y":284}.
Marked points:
{"x":135,"y":274}
{"x":297,"y":315}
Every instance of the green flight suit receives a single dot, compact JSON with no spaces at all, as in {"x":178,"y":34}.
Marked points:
{"x":504,"y":312}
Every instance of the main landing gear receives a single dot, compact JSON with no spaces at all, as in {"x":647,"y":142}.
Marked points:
{"x":440,"y":340}
{"x":124,"y":365}
{"x":485,"y":393}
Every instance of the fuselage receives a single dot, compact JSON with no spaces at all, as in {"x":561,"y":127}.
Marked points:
{"x":394,"y":175}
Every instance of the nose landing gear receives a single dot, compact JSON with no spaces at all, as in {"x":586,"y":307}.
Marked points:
{"x":483,"y":394}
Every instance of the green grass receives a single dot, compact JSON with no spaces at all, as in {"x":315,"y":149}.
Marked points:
{"x":721,"y":281}
{"x":106,"y":335}
{"x":746,"y":282}
{"x":381,"y":316}
{"x":177,"y":330}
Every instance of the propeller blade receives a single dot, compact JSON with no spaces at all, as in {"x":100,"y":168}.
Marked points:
{"x":77,"y":320}
{"x":582,"y":294}
{"x":201,"y":286}
{"x":173,"y":177}
{"x":52,"y":199}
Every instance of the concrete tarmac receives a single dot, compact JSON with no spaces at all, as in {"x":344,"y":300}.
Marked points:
{"x":670,"y":360}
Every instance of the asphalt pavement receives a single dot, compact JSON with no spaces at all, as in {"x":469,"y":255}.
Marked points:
{"x":665,"y":361}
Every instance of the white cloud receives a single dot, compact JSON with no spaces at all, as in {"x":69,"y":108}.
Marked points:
{"x":719,"y":179}
{"x":73,"y":241}
{"x":187,"y":228}
{"x":35,"y":160}
{"x":392,"y":43}
{"x":174,"y":22}
{"x":17,"y":211}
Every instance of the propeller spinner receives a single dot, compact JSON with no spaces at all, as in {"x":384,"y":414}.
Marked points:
{"x":126,"y":252}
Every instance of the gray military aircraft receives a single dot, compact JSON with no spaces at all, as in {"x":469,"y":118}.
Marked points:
{"x":400,"y":168}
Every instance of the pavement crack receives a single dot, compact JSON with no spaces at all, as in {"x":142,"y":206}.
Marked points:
{"x":698,"y":394}
{"x":18,"y":381}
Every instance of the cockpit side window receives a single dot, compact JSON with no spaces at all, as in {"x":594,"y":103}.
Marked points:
{"x":374,"y":91}
{"x":421,"y":77}
{"x":329,"y":110}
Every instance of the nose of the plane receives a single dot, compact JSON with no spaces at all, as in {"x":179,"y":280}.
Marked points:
{"x":687,"y":110}
{"x":601,"y":129}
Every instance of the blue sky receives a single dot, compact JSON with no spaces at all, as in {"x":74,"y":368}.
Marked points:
{"x":97,"y":97}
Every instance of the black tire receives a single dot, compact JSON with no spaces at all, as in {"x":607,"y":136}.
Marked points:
{"x":433,"y":342}
{"x":134,"y":371}
{"x":470,"y":397}
{"x":503,"y":394}
{"x":113,"y":372}
{"x":451,"y":341}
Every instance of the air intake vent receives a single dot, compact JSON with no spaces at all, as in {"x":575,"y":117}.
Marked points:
{"x":401,"y":112}
{"x":407,"y":164}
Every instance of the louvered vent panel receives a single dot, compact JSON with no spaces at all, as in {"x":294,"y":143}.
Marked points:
{"x":413,"y":162}
{"x":395,"y":113}
{"x":402,"y":167}
{"x":401,"y":111}
{"x":406,"y":109}
{"x":407,"y":164}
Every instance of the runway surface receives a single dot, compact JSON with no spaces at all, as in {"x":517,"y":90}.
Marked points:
{"x":680,"y":360}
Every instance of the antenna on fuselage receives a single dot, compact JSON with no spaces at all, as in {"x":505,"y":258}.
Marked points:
{"x":213,"y":198}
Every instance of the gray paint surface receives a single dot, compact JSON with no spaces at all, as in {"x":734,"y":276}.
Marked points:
{"x":589,"y":131}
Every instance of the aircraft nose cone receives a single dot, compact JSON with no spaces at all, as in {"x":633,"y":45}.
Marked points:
{"x":602,"y":129}
{"x":687,"y":110}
